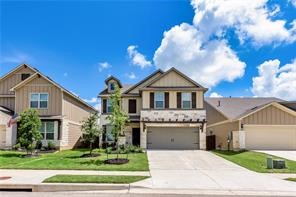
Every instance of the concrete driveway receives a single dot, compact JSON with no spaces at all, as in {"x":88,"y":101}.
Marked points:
{"x":287,"y":154}
{"x":206,"y":171}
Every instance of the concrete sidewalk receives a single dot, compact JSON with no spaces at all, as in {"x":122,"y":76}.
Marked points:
{"x":287,"y":154}
{"x":37,"y":176}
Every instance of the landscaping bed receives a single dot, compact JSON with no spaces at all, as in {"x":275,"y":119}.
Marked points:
{"x":291,"y":179}
{"x":255,"y":161}
{"x":94,"y":179}
{"x":72,"y":160}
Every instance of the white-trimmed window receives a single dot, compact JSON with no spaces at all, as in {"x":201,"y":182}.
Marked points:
{"x":47,"y":130}
{"x":109,"y":136}
{"x":159,"y":100}
{"x":39,"y":100}
{"x":109,"y":106}
{"x":186,"y":100}
{"x":112,"y":86}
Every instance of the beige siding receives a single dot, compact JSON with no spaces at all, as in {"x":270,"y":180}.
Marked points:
{"x":125,"y":104}
{"x":10,"y":81}
{"x":40,"y":85}
{"x":172,"y":79}
{"x":74,"y":135}
{"x":7,"y":102}
{"x":213,"y":116}
{"x":74,"y":110}
{"x":136,"y":90}
{"x":172,"y":99}
{"x":221,"y":132}
{"x":270,"y":116}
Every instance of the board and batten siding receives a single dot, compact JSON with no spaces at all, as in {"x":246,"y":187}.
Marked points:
{"x":213,"y":116}
{"x":172,"y":79}
{"x":136,"y":90}
{"x":7,"y":83}
{"x":172,"y":99}
{"x":74,"y":110}
{"x":74,"y":135}
{"x":8,"y":102}
{"x":39,"y":85}
{"x":270,"y":115}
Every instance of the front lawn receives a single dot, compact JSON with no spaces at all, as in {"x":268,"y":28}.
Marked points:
{"x":71,"y":160}
{"x":255,"y":161}
{"x":291,"y":179}
{"x":93,"y":179}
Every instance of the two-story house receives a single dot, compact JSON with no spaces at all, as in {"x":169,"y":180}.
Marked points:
{"x":60,"y":111}
{"x":166,"y":111}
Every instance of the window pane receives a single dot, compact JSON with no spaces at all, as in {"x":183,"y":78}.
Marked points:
{"x":42,"y":129}
{"x":49,"y":127}
{"x":34,"y":97}
{"x":159,"y":104}
{"x":43,"y":104}
{"x":43,"y":97}
{"x":109,"y":136}
{"x":159,"y":96}
{"x":186,"y":96}
{"x":34,"y":104}
{"x":49,"y":136}
{"x":112,"y":86}
{"x":186,"y":104}
{"x":109,"y":106}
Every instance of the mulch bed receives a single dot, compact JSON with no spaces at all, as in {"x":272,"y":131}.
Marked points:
{"x":116,"y":161}
{"x":88,"y":155}
{"x":5,"y":177}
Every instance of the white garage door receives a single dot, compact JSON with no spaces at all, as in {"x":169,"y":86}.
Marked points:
{"x":270,"y":137}
{"x":180,"y":138}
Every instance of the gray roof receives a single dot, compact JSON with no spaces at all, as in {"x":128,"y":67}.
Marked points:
{"x":124,"y":88}
{"x":233,"y":108}
{"x":6,"y":110}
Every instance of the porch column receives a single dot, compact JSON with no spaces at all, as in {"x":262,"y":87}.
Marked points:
{"x":202,"y":137}
{"x":143,"y":136}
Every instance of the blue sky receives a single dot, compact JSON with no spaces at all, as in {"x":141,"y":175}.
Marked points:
{"x":79,"y":43}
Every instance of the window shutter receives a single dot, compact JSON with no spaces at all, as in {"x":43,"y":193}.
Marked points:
{"x":193,"y":99}
{"x":104,"y":106}
{"x":167,"y":100}
{"x":179,"y":100}
{"x":151,"y":100}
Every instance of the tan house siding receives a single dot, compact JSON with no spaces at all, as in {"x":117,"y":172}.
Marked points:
{"x":10,"y":81}
{"x":213,"y":116}
{"x":39,"y":85}
{"x":8,"y":102}
{"x":172,"y":99}
{"x":270,"y":115}
{"x":125,"y":101}
{"x":74,"y":110}
{"x":221,"y":132}
{"x":136,"y":90}
{"x":172,"y":79}
{"x":74,"y":135}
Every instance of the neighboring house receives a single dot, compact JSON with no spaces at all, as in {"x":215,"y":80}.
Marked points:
{"x":252,"y":123}
{"x":60,"y":111}
{"x":166,"y":111}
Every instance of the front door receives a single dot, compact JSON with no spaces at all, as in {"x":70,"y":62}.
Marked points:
{"x":136,"y":136}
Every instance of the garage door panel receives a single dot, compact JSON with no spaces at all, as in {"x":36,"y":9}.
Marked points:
{"x":270,"y":137}
{"x":172,"y":138}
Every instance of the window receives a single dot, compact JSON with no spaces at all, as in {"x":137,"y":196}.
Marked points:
{"x":47,"y":130}
{"x":24,"y":76}
{"x":186,"y":100}
{"x":159,"y":100}
{"x":112,"y":86}
{"x":109,"y":106}
{"x":132,"y":106}
{"x":109,"y":136}
{"x":39,"y":100}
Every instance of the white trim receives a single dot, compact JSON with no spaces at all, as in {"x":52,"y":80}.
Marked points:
{"x":163,"y":101}
{"x":39,"y":100}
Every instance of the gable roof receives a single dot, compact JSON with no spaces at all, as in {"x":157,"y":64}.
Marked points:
{"x":234,"y":108}
{"x":18,"y":68}
{"x":115,"y":79}
{"x":39,"y":74}
{"x":122,"y":90}
{"x":173,"y":69}
{"x":144,"y":80}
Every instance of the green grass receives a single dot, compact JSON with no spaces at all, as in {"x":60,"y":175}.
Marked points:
{"x":291,"y":179}
{"x":93,"y":179}
{"x":255,"y":161}
{"x":71,"y":160}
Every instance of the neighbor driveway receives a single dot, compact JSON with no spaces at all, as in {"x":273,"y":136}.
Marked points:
{"x":287,"y":154}
{"x":204,"y":170}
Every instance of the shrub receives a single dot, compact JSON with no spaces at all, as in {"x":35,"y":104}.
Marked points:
{"x":39,"y":145}
{"x":17,"y":146}
{"x":50,"y":145}
{"x":108,"y":150}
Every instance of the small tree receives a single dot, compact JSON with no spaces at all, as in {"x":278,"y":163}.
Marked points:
{"x":91,"y":130}
{"x":29,"y":129}
{"x":118,"y":117}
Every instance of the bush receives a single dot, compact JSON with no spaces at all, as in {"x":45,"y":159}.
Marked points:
{"x":31,"y":147}
{"x":17,"y":146}
{"x":39,"y":145}
{"x":134,"y":149}
{"x":108,"y":150}
{"x":50,"y":145}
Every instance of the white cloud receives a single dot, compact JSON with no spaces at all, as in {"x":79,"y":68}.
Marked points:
{"x":275,"y":81}
{"x":136,"y":57}
{"x":91,"y":100}
{"x":97,"y":106}
{"x":250,"y":20}
{"x":215,"y":95}
{"x":206,"y":62}
{"x":131,"y":75}
{"x":293,"y":3}
{"x":104,"y":65}
{"x":16,"y":58}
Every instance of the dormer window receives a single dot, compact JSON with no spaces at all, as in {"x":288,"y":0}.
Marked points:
{"x":112,"y":86}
